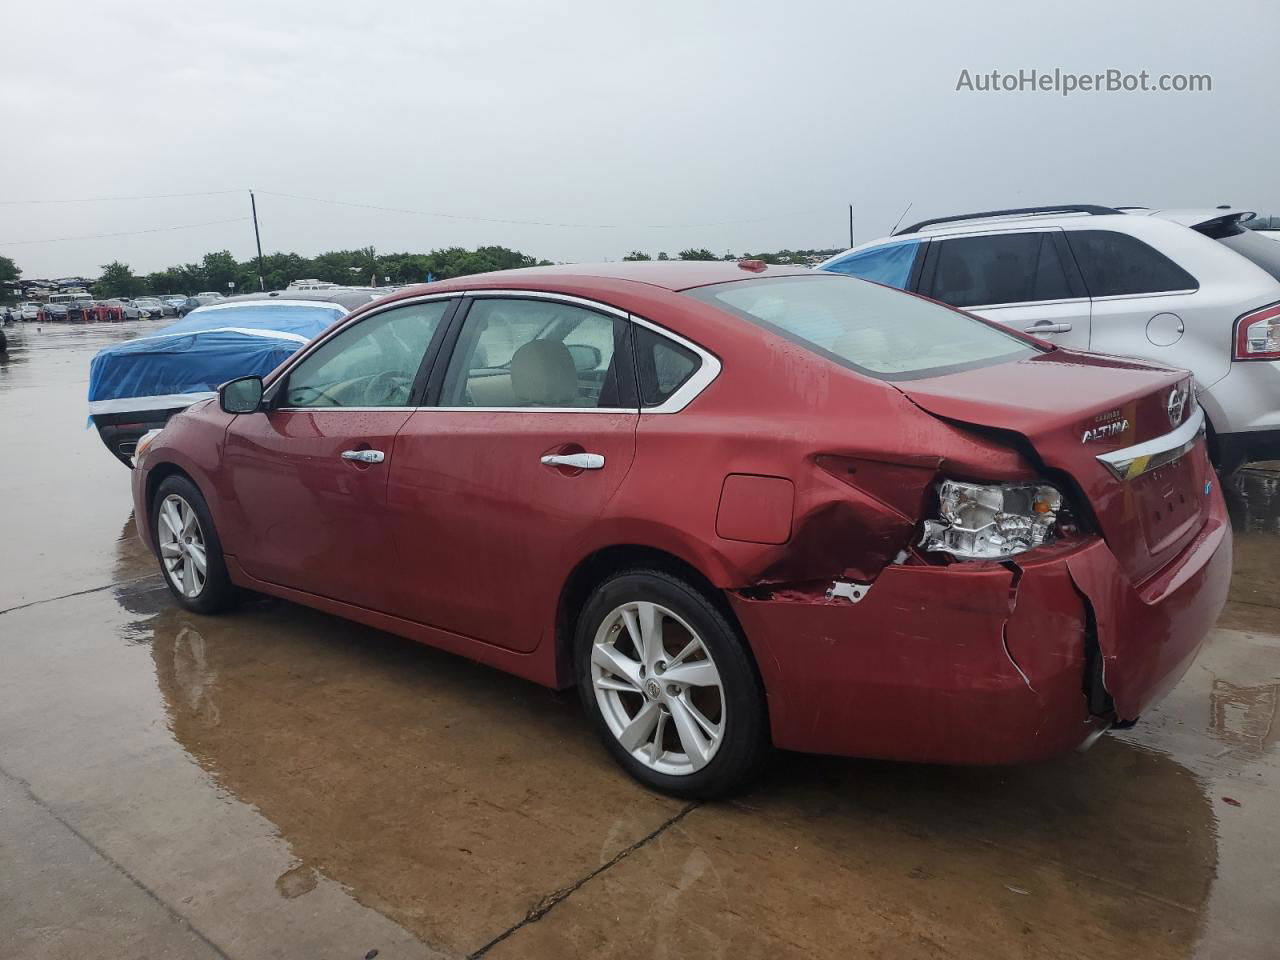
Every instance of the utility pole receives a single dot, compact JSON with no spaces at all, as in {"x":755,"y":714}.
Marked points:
{"x":262,"y":283}
{"x":851,"y":225}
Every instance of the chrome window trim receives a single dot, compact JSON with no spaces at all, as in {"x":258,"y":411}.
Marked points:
{"x":1149,"y":294}
{"x":702,"y":378}
{"x":1132,"y":462}
{"x":1027,"y":303}
{"x":707,"y":371}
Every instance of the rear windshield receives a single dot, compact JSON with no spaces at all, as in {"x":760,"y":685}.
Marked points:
{"x":1263,"y":251}
{"x":877,"y":331}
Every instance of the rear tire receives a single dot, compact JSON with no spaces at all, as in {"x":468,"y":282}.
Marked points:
{"x":670,"y":686}
{"x":189,"y":549}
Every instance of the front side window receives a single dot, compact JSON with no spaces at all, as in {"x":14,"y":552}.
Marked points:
{"x":1116,"y":264}
{"x":371,"y":364}
{"x":998,"y":269}
{"x":875,"y":331}
{"x":890,"y":264}
{"x":538,"y":353}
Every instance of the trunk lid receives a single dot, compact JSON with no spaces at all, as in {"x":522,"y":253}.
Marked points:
{"x":1071,"y":407}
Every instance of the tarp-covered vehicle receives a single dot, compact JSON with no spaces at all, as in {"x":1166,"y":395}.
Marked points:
{"x":137,"y":385}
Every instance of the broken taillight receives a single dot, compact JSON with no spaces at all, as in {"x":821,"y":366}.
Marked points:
{"x":992,"y":522}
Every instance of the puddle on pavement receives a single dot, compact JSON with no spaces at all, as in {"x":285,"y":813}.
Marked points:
{"x":63,"y":495}
{"x":442,"y":793}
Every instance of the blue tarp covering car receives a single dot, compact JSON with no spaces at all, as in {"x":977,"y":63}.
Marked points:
{"x":136,"y":385}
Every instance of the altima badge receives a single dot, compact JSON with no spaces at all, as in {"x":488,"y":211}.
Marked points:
{"x":1106,"y":430}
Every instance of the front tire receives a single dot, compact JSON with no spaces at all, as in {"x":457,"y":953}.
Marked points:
{"x":669,"y":686}
{"x":189,"y":549}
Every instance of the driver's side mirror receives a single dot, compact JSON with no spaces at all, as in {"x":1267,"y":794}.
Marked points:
{"x":585,"y":357}
{"x":242,"y":395}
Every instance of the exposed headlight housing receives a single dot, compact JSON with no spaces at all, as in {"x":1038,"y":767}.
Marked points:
{"x":991,"y":522}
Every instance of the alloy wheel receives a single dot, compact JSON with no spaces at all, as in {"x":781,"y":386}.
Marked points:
{"x":658,"y":688}
{"x":182,"y":546}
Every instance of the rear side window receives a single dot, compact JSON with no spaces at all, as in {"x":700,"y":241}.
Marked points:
{"x":521,"y":353}
{"x":662,"y":366}
{"x":870,"y":329}
{"x":890,"y":264}
{"x":1005,"y":268}
{"x":1116,"y":264}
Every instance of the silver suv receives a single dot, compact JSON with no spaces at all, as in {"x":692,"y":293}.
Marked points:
{"x":1186,"y":288}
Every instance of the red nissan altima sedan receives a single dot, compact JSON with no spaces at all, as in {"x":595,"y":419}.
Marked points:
{"x":737,"y":506}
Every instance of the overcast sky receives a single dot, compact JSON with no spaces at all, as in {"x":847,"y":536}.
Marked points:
{"x":734,"y":126}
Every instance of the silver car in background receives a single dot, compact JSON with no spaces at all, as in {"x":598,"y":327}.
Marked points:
{"x":1186,"y":288}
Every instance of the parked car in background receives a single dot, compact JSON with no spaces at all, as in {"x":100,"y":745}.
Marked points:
{"x":79,"y":311}
{"x":734,"y":505}
{"x":27,"y":310}
{"x":53,"y":312}
{"x":136,"y":385}
{"x":212,"y":294}
{"x":105,"y":311}
{"x":149,"y":307}
{"x":127,"y":309}
{"x":201,"y":300}
{"x":178,"y":302}
{"x":1189,"y":288}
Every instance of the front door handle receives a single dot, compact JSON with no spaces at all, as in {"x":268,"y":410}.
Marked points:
{"x":363,"y":456}
{"x":578,"y":461}
{"x":1045,"y":327}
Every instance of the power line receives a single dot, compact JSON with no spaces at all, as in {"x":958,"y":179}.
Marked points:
{"x":403,"y":210}
{"x":531,"y":223}
{"x":147,"y":196}
{"x":126,"y":233}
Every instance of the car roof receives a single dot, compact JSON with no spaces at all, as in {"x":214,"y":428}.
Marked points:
{"x":349,"y":298}
{"x":1190,"y":217}
{"x":1049,"y":216}
{"x":672,"y":275}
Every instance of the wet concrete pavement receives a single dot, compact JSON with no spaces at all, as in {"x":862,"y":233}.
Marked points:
{"x":280,"y":783}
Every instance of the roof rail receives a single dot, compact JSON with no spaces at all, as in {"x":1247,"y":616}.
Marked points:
{"x":1089,"y":208}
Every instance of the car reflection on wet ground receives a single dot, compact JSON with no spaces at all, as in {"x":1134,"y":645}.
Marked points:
{"x":281,"y":783}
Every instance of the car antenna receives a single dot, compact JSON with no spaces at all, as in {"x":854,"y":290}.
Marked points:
{"x":904,"y":213}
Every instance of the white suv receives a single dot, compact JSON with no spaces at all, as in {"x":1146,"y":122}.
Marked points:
{"x":1186,"y":288}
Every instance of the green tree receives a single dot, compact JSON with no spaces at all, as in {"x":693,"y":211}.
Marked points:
{"x":637,"y":255}
{"x":702,"y":253}
{"x":663,"y":256}
{"x":9,"y":274}
{"x":220,"y":269}
{"x":117,"y":280}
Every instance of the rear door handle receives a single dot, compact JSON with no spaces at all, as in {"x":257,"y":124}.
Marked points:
{"x":578,"y":461}
{"x":363,"y":456}
{"x":1046,"y":327}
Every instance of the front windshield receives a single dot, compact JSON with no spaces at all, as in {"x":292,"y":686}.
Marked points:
{"x":874,"y":330}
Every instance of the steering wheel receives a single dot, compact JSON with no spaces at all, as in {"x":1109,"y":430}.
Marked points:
{"x":388,"y":387}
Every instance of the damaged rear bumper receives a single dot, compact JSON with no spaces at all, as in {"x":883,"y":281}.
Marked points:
{"x":984,"y":663}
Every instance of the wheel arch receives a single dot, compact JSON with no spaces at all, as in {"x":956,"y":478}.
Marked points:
{"x":159,"y":474}
{"x":605,"y":562}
